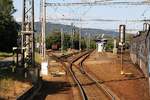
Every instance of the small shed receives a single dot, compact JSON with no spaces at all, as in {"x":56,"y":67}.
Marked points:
{"x":101,"y":44}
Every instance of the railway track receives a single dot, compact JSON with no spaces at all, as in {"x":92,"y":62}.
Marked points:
{"x":90,"y":88}
{"x":47,"y":86}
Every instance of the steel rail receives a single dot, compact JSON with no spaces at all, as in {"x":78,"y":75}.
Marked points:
{"x":98,"y":83}
{"x":83,"y":94}
{"x":82,"y":91}
{"x":84,"y":97}
{"x":30,"y":93}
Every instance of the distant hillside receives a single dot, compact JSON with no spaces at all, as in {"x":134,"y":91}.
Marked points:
{"x":67,"y":28}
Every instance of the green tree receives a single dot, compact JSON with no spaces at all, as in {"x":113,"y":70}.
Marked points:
{"x":8,"y":27}
{"x":67,"y":41}
{"x":54,"y":38}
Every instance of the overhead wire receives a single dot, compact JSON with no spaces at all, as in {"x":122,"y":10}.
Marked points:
{"x":99,"y":20}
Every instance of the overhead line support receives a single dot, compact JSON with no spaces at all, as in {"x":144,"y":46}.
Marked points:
{"x":97,"y":3}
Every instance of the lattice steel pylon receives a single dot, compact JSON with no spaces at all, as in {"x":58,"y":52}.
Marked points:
{"x":27,"y":33}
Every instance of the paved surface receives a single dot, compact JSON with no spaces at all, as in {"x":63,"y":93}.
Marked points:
{"x":106,"y":67}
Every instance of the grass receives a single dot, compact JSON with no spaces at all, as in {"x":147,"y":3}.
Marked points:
{"x":38,"y":58}
{"x":11,"y":84}
{"x":5,"y":54}
{"x":11,"y":88}
{"x":8,"y":79}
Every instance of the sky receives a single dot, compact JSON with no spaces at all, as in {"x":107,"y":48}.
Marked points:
{"x":107,"y":12}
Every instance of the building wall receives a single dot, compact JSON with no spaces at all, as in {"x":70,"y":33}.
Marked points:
{"x":100,"y":47}
{"x":139,"y":53}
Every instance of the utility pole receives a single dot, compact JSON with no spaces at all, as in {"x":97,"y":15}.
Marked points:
{"x":72,"y":35}
{"x":43,"y":30}
{"x":62,"y":40}
{"x":44,"y":63}
{"x":86,"y":41}
{"x":89,"y":40}
{"x":27,"y":34}
{"x":79,"y":39}
{"x":41,"y":14}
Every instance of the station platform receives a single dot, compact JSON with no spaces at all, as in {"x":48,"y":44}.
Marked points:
{"x":106,"y":67}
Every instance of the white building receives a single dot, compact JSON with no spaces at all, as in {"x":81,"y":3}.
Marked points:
{"x":101,"y":45}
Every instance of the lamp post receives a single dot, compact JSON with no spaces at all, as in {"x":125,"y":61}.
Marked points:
{"x":122,"y":43}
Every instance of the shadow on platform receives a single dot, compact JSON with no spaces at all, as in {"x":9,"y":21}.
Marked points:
{"x":50,"y":88}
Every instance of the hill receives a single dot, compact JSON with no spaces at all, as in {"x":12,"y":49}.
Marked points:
{"x":50,"y":27}
{"x":67,"y":29}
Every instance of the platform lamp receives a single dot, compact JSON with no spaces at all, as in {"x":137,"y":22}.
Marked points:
{"x":122,"y":44}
